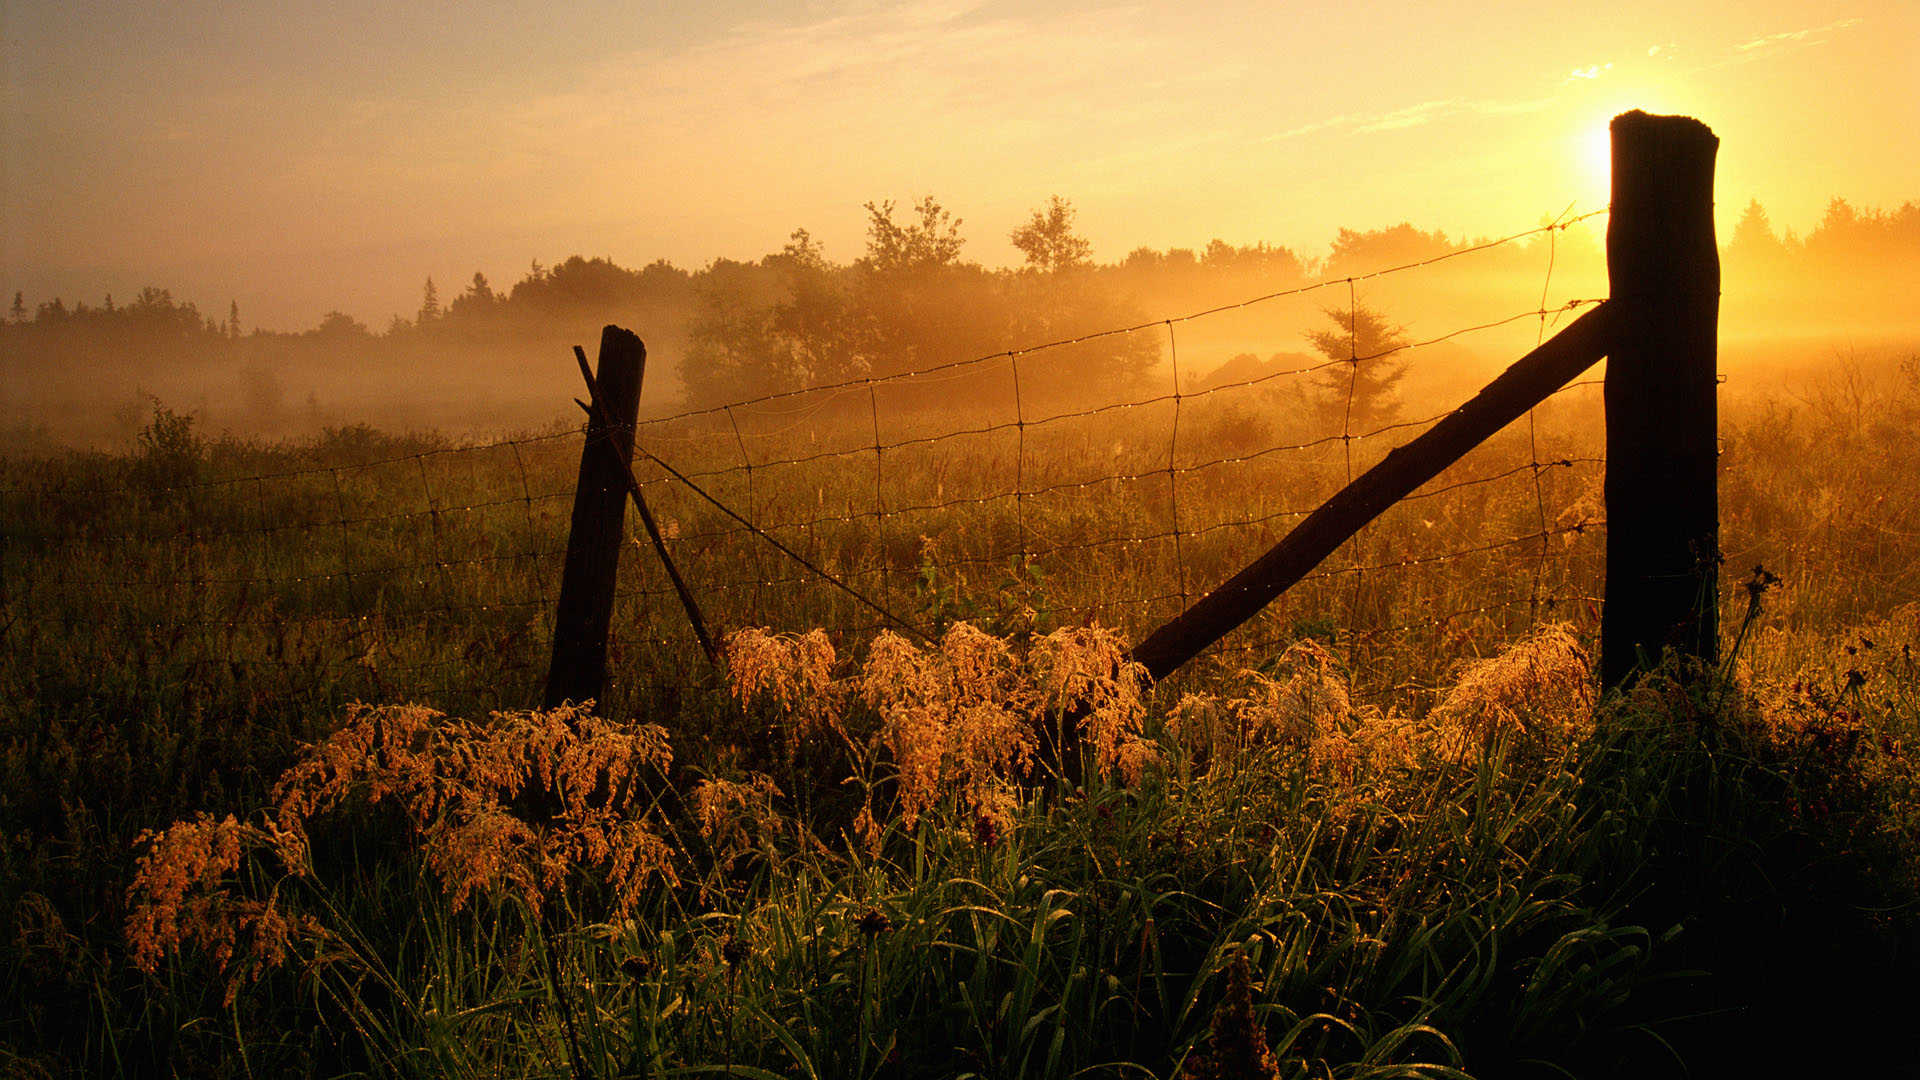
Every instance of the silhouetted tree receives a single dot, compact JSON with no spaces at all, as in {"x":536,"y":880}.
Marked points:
{"x":1363,"y":252}
{"x":1174,"y":259}
{"x":429,"y":304}
{"x":155,"y":316}
{"x":19,"y":309}
{"x":475,"y":308}
{"x":1753,"y":238}
{"x":820,"y":336}
{"x":1048,"y":240}
{"x":929,"y":243}
{"x":914,"y":302}
{"x":1359,"y":396}
{"x":731,"y":350}
{"x":1847,"y":234}
{"x":233,"y":319}
{"x":338,"y":326}
{"x":1052,"y":301}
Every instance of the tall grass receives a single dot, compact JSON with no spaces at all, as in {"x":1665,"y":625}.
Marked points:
{"x":1421,"y":863}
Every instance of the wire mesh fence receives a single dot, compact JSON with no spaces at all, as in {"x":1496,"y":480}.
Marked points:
{"x":975,"y":489}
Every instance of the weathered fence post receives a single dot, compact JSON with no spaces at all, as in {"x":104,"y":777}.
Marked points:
{"x":579,"y":668}
{"x":1663,"y":511}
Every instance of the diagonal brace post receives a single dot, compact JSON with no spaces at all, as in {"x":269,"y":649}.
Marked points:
{"x":1528,"y":382}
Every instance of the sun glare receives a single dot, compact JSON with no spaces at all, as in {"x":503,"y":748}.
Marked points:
{"x":1594,"y":141}
{"x":1596,"y":164}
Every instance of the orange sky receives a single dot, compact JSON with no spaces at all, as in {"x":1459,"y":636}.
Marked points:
{"x":297,"y":157}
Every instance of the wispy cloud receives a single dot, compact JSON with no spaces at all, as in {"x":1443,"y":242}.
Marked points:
{"x":1590,"y":72}
{"x":1314,"y":128}
{"x":1811,"y":35}
{"x":1410,"y":116}
{"x":863,"y":72}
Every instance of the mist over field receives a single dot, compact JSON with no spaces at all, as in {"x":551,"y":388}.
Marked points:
{"x":479,"y":357}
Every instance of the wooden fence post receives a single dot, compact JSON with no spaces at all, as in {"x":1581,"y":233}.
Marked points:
{"x":1663,"y":512}
{"x":578,"y":671}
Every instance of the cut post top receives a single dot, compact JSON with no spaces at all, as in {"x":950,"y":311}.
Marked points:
{"x":1668,"y":126}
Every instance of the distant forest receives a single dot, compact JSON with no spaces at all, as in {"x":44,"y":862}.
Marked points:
{"x":79,"y":372}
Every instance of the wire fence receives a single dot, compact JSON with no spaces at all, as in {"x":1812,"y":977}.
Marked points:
{"x":956,"y":491}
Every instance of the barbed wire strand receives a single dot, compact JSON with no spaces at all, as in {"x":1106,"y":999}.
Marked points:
{"x":1019,"y":455}
{"x":1533,"y":428}
{"x":753,"y":501}
{"x":787,"y":551}
{"x":1173,"y":474}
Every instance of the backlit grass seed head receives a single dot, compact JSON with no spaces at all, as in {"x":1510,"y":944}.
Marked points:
{"x":455,"y":783}
{"x":175,"y":885}
{"x":1086,"y":667}
{"x":1308,"y":696}
{"x":956,"y":721}
{"x":377,"y":755}
{"x":790,"y":673}
{"x":1198,"y":720}
{"x":484,"y":848}
{"x":736,"y":818}
{"x":183,"y":895}
{"x":39,"y":931}
{"x":1538,"y":695}
{"x":1307,"y":705}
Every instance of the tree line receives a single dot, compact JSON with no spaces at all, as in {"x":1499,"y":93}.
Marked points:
{"x":911,"y":300}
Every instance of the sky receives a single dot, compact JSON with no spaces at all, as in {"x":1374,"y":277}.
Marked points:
{"x":296,"y":158}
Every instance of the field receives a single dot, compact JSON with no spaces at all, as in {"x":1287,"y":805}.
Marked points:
{"x":1386,"y":830}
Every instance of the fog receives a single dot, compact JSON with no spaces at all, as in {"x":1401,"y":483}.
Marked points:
{"x":480,"y":358}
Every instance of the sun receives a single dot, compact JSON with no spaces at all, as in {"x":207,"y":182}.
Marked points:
{"x":1596,"y":163}
{"x":1593,"y":149}
{"x":1593,"y":141}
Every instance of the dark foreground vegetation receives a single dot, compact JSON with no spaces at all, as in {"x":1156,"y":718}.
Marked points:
{"x":858,"y":856}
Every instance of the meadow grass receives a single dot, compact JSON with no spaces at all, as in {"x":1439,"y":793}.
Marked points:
{"x":1397,"y":862}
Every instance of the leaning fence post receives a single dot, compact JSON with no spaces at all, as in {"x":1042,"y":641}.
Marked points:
{"x":579,"y":668}
{"x":1663,"y":513}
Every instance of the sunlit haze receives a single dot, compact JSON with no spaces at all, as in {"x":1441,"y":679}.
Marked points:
{"x":298,"y":157}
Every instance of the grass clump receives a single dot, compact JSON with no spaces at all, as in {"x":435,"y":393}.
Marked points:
{"x":999,"y":855}
{"x":1277,"y":880}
